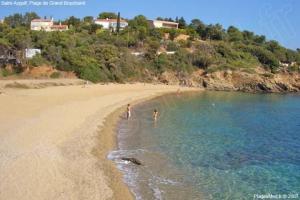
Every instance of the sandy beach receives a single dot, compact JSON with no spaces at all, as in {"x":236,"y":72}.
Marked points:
{"x":54,"y":140}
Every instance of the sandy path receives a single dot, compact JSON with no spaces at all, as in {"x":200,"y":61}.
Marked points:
{"x":47,"y":137}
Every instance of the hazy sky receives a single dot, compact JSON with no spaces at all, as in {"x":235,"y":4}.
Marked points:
{"x":277,"y":19}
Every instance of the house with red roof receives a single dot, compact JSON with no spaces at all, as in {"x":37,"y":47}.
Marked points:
{"x":59,"y":27}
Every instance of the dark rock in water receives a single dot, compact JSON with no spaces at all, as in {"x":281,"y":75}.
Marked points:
{"x":132,"y":160}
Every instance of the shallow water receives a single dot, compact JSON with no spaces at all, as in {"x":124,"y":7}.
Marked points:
{"x":213,"y":145}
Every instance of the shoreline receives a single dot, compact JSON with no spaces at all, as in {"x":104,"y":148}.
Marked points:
{"x":53,"y":151}
{"x":109,"y":135}
{"x":106,"y":142}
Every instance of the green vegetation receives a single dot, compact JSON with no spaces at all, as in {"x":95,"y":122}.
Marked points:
{"x":55,"y":75}
{"x":97,"y":55}
{"x":5,"y":72}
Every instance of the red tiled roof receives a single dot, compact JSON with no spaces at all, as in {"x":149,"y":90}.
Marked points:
{"x":41,"y":20}
{"x":110,"y":20}
{"x":59,"y":27}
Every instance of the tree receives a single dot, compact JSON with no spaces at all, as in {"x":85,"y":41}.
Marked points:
{"x":291,"y":56}
{"x":195,"y":23}
{"x":28,"y":17}
{"x":107,"y":15}
{"x":234,"y":34}
{"x":181,"y":23}
{"x":298,"y":50}
{"x":198,"y":26}
{"x":53,"y":54}
{"x":19,"y":37}
{"x":214,"y":32}
{"x":248,"y":36}
{"x":14,"y":20}
{"x":277,"y":50}
{"x":73,"y":21}
{"x":142,"y":33}
{"x":139,"y":21}
{"x":118,"y":23}
{"x":88,"y":19}
{"x":260,"y":39}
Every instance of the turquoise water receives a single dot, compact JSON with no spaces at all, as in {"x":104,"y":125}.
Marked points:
{"x":213,"y":145}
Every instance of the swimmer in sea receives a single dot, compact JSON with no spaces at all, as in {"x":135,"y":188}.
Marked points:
{"x":155,"y":114}
{"x":178,"y":92}
{"x":128,"y":111}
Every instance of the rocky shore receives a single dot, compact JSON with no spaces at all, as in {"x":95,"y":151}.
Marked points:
{"x":255,"y":82}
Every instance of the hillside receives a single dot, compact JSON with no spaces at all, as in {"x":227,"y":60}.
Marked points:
{"x":199,"y":54}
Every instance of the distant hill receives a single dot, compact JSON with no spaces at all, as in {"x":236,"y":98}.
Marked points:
{"x":139,"y":52}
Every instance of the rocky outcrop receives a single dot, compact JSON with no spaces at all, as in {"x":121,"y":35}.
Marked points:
{"x":246,"y":82}
{"x":258,"y":81}
{"x":169,"y":78}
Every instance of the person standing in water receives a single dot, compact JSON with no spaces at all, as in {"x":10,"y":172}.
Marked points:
{"x":155,"y":115}
{"x":128,"y":111}
{"x":178,"y":92}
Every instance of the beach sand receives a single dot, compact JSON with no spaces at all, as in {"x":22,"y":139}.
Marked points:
{"x":54,"y":141}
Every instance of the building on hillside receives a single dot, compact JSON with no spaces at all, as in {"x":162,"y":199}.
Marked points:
{"x":41,"y":24}
{"x":163,"y":24}
{"x":46,"y":25}
{"x":111,"y":24}
{"x":30,"y":53}
{"x":1,"y":21}
{"x":166,"y":52}
{"x":59,"y":27}
{"x":287,"y":64}
{"x":137,"y":53}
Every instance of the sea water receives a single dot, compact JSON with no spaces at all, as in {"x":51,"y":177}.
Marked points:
{"x":213,"y":145}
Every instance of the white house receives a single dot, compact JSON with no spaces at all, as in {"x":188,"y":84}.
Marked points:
{"x":111,"y":23}
{"x":29,"y":53}
{"x":163,"y":24}
{"x":47,"y":25}
{"x":41,"y":24}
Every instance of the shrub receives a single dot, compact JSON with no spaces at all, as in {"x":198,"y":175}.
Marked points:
{"x":202,"y":59}
{"x":172,"y":46}
{"x":92,"y":73}
{"x":55,"y":75}
{"x":38,"y":60}
{"x":5,"y":72}
{"x":264,"y":56}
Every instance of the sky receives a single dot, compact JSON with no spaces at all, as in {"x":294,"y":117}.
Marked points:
{"x":276,"y":19}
